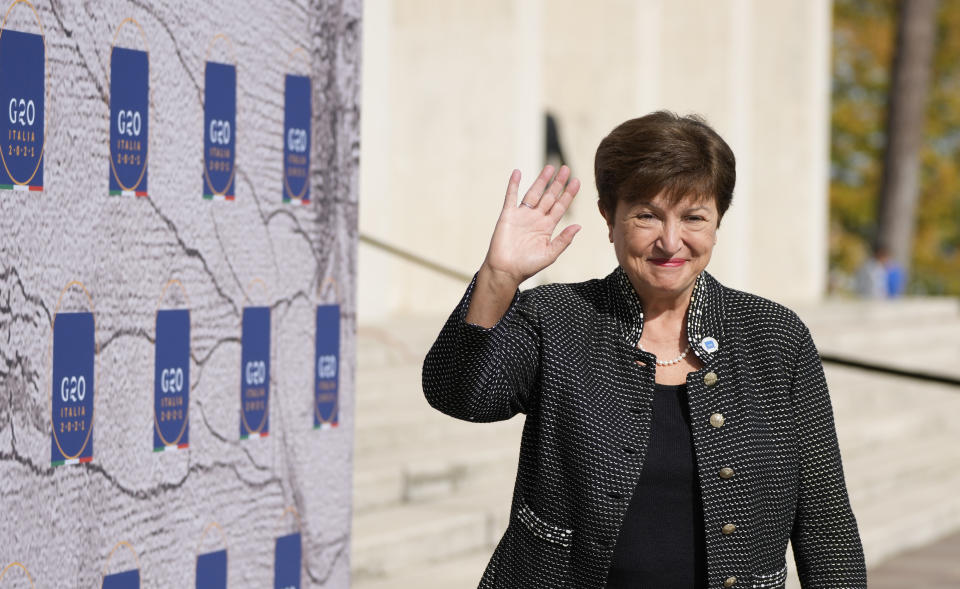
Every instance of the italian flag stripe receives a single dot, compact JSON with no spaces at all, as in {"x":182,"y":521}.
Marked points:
{"x":171,"y":447}
{"x":21,"y":187}
{"x":71,"y":461}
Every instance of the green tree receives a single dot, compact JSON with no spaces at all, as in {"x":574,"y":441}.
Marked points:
{"x":864,"y":35}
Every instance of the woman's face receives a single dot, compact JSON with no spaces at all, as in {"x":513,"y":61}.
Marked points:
{"x":663,"y":247}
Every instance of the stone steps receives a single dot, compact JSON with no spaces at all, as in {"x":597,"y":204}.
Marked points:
{"x":423,"y":474}
{"x":421,"y":426}
{"x":899,"y":440}
{"x":457,"y":572}
{"x":412,"y":535}
{"x":915,"y":311}
{"x":918,"y":335}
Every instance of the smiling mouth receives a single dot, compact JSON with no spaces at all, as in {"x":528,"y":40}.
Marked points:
{"x":668,"y":262}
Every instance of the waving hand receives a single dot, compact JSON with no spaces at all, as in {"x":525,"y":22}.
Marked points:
{"x":523,"y":241}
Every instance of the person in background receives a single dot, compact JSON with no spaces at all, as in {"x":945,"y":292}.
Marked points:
{"x":678,"y":433}
{"x":880,"y":276}
{"x":871,"y":280}
{"x":896,"y":278}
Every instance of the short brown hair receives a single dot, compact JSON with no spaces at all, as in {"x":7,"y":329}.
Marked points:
{"x":663,"y":152}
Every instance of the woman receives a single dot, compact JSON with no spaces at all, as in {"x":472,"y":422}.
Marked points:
{"x":678,"y":433}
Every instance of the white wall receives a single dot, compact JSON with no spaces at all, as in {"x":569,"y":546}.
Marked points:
{"x":454,"y":99}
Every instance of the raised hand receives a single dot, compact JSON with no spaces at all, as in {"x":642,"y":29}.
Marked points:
{"x":523,"y":241}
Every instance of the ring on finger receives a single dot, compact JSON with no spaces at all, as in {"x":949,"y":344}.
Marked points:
{"x":529,"y":206}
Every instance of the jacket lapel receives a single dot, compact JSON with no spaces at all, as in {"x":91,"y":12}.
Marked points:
{"x":704,"y":317}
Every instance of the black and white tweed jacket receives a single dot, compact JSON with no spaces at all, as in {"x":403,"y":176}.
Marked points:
{"x":566,"y":356}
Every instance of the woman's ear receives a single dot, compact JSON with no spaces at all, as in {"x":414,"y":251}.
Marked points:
{"x":608,"y":217}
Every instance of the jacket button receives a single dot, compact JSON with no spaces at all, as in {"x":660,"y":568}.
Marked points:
{"x":717,"y":420}
{"x":710,"y":379}
{"x":726,"y":472}
{"x":730,"y":582}
{"x":728,"y":529}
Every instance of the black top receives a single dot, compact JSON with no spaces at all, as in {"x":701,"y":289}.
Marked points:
{"x":661,"y":543}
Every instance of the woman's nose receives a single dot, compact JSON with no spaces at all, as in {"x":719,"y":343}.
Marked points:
{"x":669,"y":240}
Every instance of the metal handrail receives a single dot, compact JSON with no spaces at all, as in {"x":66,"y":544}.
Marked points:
{"x":418,"y":260}
{"x":892,"y":371}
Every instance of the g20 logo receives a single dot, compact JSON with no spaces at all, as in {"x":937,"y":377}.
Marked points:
{"x":326,"y":366}
{"x":22,"y":111}
{"x":256,"y":372}
{"x":171,"y":380}
{"x":297,"y":140}
{"x":220,"y":132}
{"x":129,"y":123}
{"x":73,"y":389}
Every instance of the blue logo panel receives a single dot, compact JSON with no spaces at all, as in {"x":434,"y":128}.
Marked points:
{"x":296,"y":139}
{"x":71,"y":439}
{"x":22,"y":93}
{"x":129,"y":119}
{"x":255,"y":372}
{"x":219,"y":130}
{"x":212,"y":570}
{"x":124,"y":580}
{"x":171,"y":378}
{"x":327,"y":374}
{"x":286,"y":564}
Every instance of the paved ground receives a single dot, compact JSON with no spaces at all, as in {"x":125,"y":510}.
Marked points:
{"x":934,"y":566}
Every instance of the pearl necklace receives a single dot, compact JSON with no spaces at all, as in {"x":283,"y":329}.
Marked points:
{"x":676,"y":360}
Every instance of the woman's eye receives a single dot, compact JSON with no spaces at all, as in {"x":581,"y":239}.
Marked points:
{"x":696,"y":218}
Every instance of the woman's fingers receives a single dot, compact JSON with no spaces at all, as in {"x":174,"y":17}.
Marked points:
{"x":562,"y":241}
{"x":521,"y":244}
{"x":553,"y":192}
{"x":532,"y":197}
{"x":549,"y":201}
{"x":513,"y":187}
{"x":562,"y":203}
